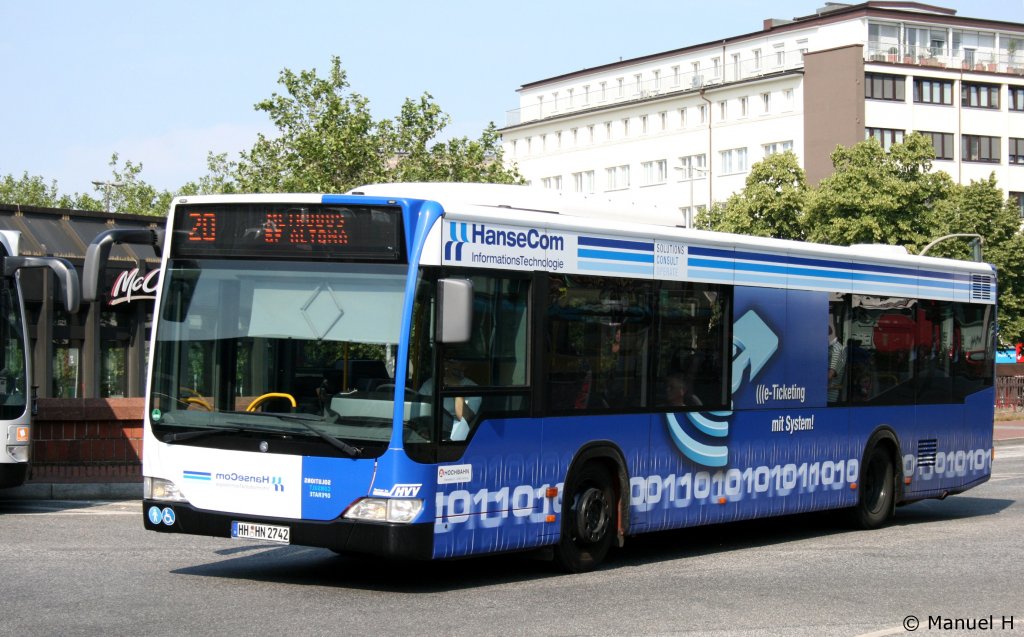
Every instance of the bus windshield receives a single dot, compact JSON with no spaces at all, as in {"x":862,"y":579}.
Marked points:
{"x":246,"y":346}
{"x":13,"y":397}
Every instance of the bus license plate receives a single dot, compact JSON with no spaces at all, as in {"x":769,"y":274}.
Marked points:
{"x":265,"y":532}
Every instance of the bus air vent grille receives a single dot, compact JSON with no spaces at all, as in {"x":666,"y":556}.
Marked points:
{"x":981,"y":287}
{"x":926,"y":451}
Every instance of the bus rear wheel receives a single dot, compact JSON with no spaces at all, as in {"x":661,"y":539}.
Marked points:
{"x":877,"y":492}
{"x":588,"y":520}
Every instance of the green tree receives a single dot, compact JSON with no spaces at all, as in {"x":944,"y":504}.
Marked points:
{"x":329,"y":141}
{"x":219,"y":179}
{"x":770,"y":205}
{"x":32,"y":190}
{"x":876,"y":196}
{"x":132,"y":194}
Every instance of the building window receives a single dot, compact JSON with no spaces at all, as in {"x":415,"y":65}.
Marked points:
{"x":744,"y":107}
{"x":617,"y":177}
{"x":692,"y":167}
{"x":663,"y":116}
{"x":607,"y":131}
{"x":638,"y":82}
{"x":604,"y":91}
{"x":885,"y":136}
{"x":723,"y":110}
{"x":590,"y":134}
{"x":625,"y":127}
{"x":931,"y":91}
{"x":570,"y":95}
{"x":716,"y":66}
{"x":554,"y":101}
{"x":656,"y":84}
{"x":780,"y":55}
{"x":675,"y":75}
{"x":643,"y":125}
{"x":682,"y":117}
{"x":787,"y":99}
{"x":766,"y":103}
{"x":586,"y":94}
{"x":879,"y":86}
{"x":620,"y":87}
{"x":655,"y":172}
{"x":552,"y":183}
{"x":1018,"y":199}
{"x":734,"y":161}
{"x":980,"y":148}
{"x":575,"y":136}
{"x":686,"y":213}
{"x":703,"y":110}
{"x":1016,"y":155}
{"x":757,"y":59}
{"x":979,"y":95}
{"x":583,"y":182}
{"x":1016,"y":94}
{"x":942,"y":143}
{"x":777,"y":147}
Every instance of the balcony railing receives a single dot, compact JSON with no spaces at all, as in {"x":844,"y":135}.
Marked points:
{"x":965,"y":59}
{"x":981,"y":60}
{"x":665,"y":84}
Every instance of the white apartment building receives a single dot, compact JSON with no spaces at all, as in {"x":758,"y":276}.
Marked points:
{"x":680,"y":129}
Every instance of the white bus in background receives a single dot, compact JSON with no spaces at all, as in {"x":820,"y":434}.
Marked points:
{"x":16,"y":402}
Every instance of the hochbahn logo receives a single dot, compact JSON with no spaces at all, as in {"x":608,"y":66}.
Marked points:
{"x":480,"y":234}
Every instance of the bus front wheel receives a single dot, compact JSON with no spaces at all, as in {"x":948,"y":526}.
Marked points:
{"x":877,"y":490}
{"x":588,"y":520}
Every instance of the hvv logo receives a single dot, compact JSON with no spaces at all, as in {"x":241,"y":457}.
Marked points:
{"x":753,"y":345}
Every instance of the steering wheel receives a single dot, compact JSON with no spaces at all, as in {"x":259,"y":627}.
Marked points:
{"x":259,"y":400}
{"x":195,"y":398}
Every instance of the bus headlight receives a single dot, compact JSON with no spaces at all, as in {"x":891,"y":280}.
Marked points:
{"x":397,"y":510}
{"x":160,"y":489}
{"x":19,"y":453}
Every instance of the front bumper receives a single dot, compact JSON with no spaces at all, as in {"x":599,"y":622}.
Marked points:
{"x":404,"y":541}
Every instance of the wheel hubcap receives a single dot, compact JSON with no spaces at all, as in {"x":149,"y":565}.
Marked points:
{"x":592,"y":515}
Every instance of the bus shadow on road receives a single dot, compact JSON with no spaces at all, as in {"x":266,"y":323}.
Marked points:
{"x":306,"y":566}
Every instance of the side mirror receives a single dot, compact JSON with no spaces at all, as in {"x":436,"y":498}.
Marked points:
{"x":98,"y":252}
{"x":455,"y":310}
{"x":66,"y":275}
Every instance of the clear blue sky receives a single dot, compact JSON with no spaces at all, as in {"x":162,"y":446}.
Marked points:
{"x":162,"y":83}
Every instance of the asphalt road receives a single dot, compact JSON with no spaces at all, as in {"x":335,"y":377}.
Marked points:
{"x":74,"y":568}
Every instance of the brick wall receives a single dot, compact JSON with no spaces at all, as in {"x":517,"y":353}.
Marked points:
{"x":87,"y":440}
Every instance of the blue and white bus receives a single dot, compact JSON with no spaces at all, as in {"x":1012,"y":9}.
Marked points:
{"x":16,"y":403}
{"x":603,"y":373}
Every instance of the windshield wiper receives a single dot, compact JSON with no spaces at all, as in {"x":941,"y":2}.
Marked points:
{"x":337,"y":443}
{"x":199,"y":433}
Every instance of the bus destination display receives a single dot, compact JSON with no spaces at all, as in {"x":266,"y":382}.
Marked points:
{"x":313,"y":231}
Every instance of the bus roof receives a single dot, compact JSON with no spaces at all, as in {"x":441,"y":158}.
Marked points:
{"x":536,"y":206}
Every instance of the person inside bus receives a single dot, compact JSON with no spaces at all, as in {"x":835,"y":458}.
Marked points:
{"x":679,"y":391}
{"x":461,"y":409}
{"x":836,"y":365}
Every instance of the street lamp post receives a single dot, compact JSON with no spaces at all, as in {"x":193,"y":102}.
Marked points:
{"x":691,"y":170}
{"x":106,"y":186}
{"x":976,"y":242}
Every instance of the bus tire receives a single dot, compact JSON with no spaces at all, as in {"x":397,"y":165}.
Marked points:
{"x":588,"y":519}
{"x":876,"y":501}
